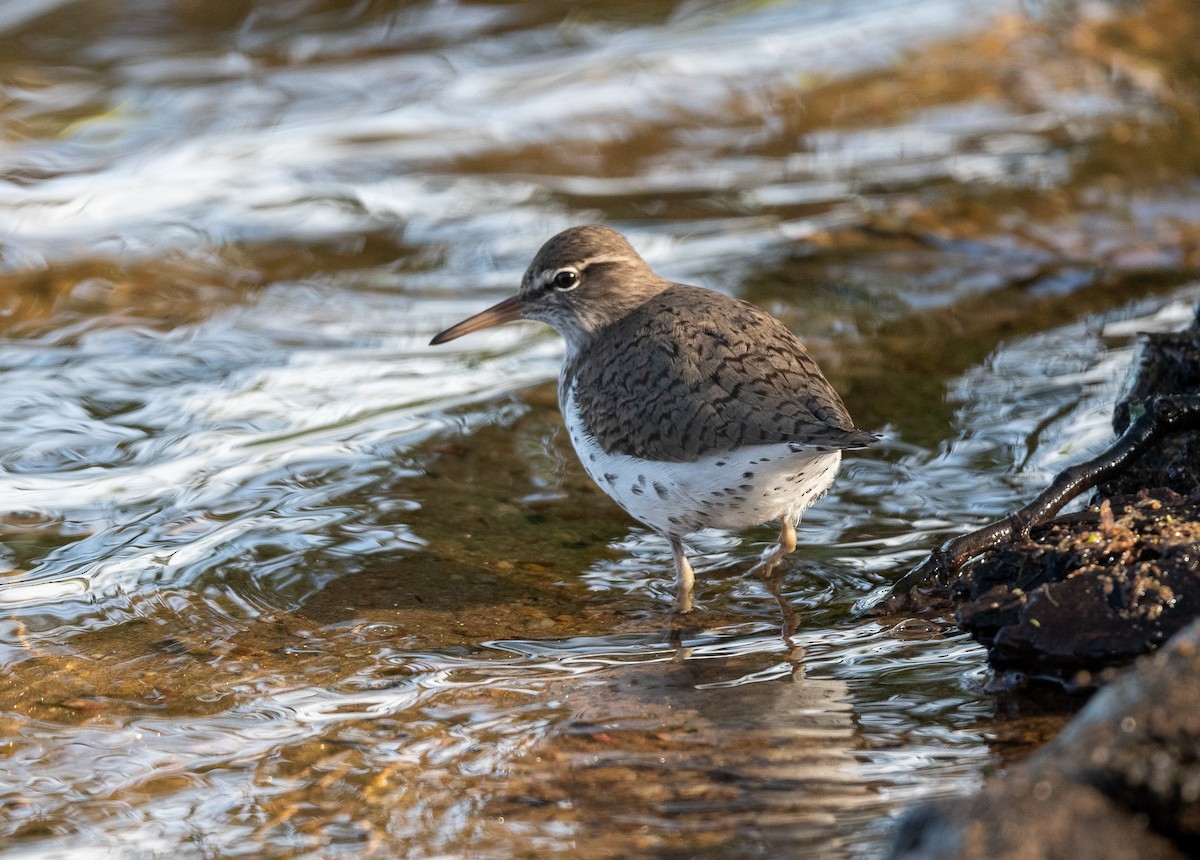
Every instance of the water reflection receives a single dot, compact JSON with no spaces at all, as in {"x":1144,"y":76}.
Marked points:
{"x":636,"y":772}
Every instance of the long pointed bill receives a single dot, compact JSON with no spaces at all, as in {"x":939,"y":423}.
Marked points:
{"x":507,"y":311}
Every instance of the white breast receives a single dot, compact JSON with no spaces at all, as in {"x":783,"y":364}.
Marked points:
{"x":736,"y":489}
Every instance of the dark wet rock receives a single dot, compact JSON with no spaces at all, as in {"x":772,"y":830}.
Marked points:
{"x":1101,"y":587}
{"x":1122,"y":780}
{"x":1166,"y":363}
{"x":1089,"y":590}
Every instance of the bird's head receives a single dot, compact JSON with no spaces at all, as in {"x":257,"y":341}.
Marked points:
{"x":581,"y":281}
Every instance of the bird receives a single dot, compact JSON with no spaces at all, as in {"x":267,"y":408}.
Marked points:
{"x":691,"y":409}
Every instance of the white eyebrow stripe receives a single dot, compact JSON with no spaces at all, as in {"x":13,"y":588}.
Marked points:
{"x":545,"y":278}
{"x":602,"y":258}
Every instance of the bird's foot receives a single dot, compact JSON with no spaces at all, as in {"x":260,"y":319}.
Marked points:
{"x":683,"y":622}
{"x":767,"y":562}
{"x":773,"y":555}
{"x":771,"y":574}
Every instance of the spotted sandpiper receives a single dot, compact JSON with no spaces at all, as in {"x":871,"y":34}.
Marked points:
{"x":689,"y":408}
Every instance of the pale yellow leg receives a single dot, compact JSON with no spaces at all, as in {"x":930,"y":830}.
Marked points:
{"x":787,"y":538}
{"x":772,"y":557}
{"x":685,"y":579}
{"x":773,"y":580}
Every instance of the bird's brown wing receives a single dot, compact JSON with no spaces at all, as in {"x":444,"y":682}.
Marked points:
{"x":693,"y":373}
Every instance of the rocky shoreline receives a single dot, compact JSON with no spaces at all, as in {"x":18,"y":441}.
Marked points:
{"x":1071,"y":601}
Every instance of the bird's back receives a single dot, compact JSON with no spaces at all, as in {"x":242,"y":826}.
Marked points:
{"x":693,"y":372}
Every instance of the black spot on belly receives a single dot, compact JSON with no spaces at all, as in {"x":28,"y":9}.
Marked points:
{"x":660,"y":489}
{"x":635,"y":489}
{"x":746,"y":487}
{"x":610,"y":478}
{"x":641,"y":480}
{"x":720,"y":462}
{"x":747,"y":474}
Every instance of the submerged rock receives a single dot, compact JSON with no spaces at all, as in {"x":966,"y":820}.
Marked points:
{"x":1027,"y":818}
{"x":1122,"y":781}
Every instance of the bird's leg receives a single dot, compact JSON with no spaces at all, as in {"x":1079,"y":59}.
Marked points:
{"x":772,"y":556}
{"x":685,"y":579}
{"x":772,"y":578}
{"x":787,"y":537}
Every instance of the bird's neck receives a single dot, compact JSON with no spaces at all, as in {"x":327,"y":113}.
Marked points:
{"x":591,"y":320}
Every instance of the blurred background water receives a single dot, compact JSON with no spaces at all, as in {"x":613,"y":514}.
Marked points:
{"x":277,"y":579}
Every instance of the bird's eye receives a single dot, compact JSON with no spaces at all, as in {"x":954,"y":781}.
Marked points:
{"x":567,"y":279}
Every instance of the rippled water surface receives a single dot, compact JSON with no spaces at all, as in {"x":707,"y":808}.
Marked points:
{"x":278,"y":579}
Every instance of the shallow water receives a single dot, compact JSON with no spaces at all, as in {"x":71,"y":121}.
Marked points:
{"x":278,"y":579}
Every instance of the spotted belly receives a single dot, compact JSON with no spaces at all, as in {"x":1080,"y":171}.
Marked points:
{"x":736,"y":489}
